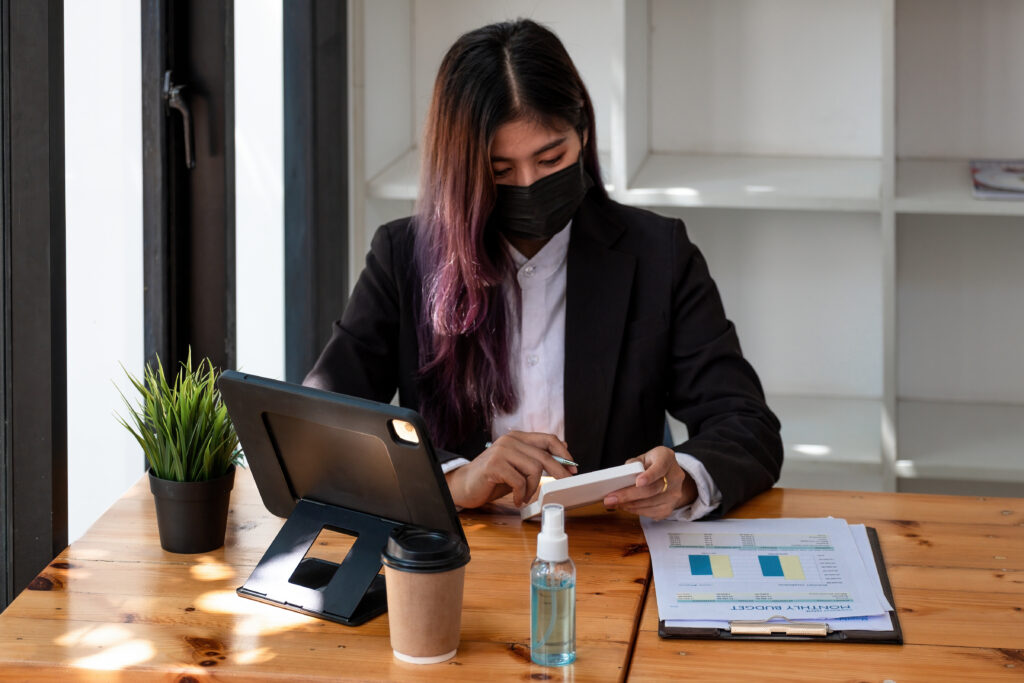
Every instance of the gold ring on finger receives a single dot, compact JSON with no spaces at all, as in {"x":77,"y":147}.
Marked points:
{"x":665,"y":487}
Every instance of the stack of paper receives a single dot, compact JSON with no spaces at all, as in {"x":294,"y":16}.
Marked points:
{"x":710,"y":574}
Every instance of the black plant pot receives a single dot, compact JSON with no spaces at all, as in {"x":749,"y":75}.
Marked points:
{"x":192,"y":515}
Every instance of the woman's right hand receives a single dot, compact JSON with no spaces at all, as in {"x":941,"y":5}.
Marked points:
{"x":515,"y":462}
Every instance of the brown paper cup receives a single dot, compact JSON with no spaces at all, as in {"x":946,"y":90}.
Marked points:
{"x":424,"y":614}
{"x":424,"y":571}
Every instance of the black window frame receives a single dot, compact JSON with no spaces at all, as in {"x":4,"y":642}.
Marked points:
{"x":33,"y":394}
{"x":188,"y":213}
{"x":316,"y":187}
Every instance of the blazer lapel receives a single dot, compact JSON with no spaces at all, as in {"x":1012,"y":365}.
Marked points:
{"x":598,"y":284}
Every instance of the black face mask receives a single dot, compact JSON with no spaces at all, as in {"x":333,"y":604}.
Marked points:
{"x":541,"y":210}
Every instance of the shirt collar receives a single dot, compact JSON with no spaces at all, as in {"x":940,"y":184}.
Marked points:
{"x":550,"y":257}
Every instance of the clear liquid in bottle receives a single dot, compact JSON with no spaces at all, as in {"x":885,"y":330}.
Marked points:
{"x":553,"y":608}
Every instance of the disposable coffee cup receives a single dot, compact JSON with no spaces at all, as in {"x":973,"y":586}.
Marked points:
{"x":424,"y":572}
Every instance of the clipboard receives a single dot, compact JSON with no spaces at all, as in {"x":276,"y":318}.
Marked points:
{"x":781,"y":628}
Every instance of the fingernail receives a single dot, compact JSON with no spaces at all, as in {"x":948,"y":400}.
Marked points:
{"x":610,"y":500}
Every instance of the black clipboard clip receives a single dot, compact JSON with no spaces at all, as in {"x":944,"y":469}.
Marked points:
{"x":778,"y":625}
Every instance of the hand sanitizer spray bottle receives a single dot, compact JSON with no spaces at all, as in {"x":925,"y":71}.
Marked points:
{"x":553,"y":594}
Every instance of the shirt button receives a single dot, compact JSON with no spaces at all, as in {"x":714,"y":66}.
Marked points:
{"x":528,"y":271}
{"x":532,"y":359}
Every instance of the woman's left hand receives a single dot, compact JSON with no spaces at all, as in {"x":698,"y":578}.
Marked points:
{"x":662,"y":487}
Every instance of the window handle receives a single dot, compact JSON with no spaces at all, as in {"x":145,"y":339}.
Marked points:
{"x":174,"y":100}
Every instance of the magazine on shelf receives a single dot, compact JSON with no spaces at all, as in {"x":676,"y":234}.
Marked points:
{"x":998,"y":178}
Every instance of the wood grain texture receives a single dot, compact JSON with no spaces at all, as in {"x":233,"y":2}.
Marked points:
{"x":115,"y":606}
{"x":956,"y":565}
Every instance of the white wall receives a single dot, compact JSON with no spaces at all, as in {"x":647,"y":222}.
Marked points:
{"x":718,"y":68}
{"x":588,"y":31}
{"x":956,"y":63}
{"x":959,"y":295}
{"x":808,"y":320}
{"x":259,"y":187}
{"x":103,"y":173}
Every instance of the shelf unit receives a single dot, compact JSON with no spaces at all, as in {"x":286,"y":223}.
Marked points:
{"x":400,"y":180}
{"x":751,"y":182}
{"x":818,"y":154}
{"x":944,"y":187}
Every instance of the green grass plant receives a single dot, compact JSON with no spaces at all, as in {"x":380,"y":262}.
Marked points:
{"x":183,"y":427}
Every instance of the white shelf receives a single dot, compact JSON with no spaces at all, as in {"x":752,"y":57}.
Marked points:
{"x":829,"y":429}
{"x":924,"y":186}
{"x":965,"y":441}
{"x":830,"y":442}
{"x":833,"y":118}
{"x":400,"y":180}
{"x":757,"y":182}
{"x":833,"y":476}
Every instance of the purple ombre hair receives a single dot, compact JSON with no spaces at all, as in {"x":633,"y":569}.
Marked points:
{"x":489,"y":77}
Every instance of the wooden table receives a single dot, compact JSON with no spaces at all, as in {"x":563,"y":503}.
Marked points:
{"x":115,"y":606}
{"x":956,"y":564}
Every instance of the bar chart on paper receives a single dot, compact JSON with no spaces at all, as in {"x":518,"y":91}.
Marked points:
{"x":729,"y":569}
{"x":749,"y":558}
{"x":785,"y":566}
{"x":711,"y":565}
{"x":721,"y":566}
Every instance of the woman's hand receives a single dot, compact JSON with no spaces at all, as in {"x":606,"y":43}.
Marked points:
{"x":663,"y":487}
{"x":513,"y":463}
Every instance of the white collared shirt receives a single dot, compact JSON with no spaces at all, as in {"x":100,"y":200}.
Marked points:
{"x":537,"y":349}
{"x":537,"y":344}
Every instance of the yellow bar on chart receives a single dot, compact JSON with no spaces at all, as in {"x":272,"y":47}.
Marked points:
{"x":791,"y":567}
{"x":721,"y":567}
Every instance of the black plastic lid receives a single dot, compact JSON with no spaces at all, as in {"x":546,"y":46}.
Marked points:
{"x":414,"y":549}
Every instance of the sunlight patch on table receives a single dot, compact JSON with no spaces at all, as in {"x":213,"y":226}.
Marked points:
{"x":253,"y":618}
{"x":117,"y":657}
{"x":95,"y":636}
{"x":209,"y":569}
{"x":258,"y":655}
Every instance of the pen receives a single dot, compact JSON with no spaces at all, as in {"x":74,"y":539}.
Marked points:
{"x":559,"y":460}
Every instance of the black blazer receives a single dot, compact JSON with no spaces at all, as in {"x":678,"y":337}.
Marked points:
{"x":645,"y":332}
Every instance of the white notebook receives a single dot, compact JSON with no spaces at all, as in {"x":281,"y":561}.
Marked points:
{"x":582,"y":489}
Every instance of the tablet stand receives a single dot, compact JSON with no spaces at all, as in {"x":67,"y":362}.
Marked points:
{"x":348,"y":593}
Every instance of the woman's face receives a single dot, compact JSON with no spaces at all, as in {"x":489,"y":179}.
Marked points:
{"x":525,"y":151}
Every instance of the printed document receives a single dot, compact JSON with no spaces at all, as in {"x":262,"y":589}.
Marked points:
{"x":707,"y":574}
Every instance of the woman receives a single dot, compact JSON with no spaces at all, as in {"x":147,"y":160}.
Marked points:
{"x":525,"y":315}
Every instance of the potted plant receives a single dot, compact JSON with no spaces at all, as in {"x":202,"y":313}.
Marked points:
{"x":192,"y":449}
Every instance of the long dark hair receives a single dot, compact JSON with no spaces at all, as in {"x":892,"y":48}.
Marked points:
{"x":491,"y":76}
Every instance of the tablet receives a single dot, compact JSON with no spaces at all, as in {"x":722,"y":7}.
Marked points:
{"x":348,"y":452}
{"x":336,"y":462}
